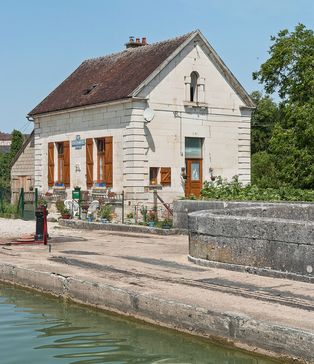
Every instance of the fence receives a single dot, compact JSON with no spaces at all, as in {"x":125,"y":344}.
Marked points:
{"x":27,"y":204}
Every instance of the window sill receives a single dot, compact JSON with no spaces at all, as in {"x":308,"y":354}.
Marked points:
{"x":192,"y":104}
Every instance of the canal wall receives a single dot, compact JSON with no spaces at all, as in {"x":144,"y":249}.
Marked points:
{"x":229,"y":328}
{"x":274,"y":239}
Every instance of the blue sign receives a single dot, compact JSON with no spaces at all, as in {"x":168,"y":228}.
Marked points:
{"x":77,"y":143}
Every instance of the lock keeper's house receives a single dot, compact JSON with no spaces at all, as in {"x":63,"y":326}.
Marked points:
{"x":169,"y":113}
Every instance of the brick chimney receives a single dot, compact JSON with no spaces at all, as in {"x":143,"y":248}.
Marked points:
{"x":137,"y":43}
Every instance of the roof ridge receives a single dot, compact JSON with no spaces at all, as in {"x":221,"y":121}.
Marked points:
{"x":148,"y":45}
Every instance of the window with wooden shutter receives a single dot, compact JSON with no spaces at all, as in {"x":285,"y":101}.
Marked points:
{"x":51,"y":164}
{"x":153,"y":175}
{"x":89,"y":163}
{"x":101,"y":160}
{"x":66,"y":152}
{"x":108,"y":162}
{"x":165,"y":176}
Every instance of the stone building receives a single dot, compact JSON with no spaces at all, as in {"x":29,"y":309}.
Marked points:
{"x":169,"y":113}
{"x":5,"y":142}
{"x":23,"y":169}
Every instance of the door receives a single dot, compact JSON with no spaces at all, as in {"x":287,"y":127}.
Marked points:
{"x":194,"y":177}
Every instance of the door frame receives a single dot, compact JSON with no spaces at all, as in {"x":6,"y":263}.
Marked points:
{"x":188,"y":181}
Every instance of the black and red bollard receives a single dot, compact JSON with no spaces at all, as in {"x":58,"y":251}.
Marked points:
{"x":41,"y":235}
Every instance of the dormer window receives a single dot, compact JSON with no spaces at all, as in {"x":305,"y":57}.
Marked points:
{"x":193,"y":87}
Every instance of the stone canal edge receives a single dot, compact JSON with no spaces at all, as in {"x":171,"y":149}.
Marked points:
{"x":226,"y":328}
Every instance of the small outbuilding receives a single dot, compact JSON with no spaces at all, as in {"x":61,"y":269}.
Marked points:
{"x":23,"y":169}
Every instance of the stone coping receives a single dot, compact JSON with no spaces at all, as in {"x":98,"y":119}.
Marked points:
{"x":79,"y":224}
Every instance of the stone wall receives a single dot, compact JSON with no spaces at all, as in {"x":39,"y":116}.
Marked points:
{"x":277,"y":237}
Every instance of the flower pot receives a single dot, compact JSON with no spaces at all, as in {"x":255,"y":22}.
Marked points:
{"x":66,"y":216}
{"x":104,"y":221}
{"x":151,"y":224}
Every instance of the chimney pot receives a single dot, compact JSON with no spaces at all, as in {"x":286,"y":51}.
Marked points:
{"x":144,"y":41}
{"x":131,"y":39}
{"x":137,"y":40}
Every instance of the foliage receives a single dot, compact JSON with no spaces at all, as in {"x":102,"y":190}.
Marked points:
{"x":263,"y":170}
{"x":289,"y":70}
{"x":61,"y":208}
{"x":130,"y":215}
{"x":235,"y":191}
{"x":106,"y":212}
{"x":144,"y":212}
{"x":7,"y":158}
{"x":263,"y":119}
{"x":8,"y":210}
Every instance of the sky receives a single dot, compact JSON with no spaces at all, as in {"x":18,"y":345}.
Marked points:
{"x":43,"y":41}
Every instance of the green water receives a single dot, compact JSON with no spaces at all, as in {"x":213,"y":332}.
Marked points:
{"x":36,"y":329}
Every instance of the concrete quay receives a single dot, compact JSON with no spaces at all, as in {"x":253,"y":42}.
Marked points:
{"x":149,"y":277}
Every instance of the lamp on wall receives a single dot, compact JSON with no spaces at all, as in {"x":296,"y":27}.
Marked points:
{"x":183,"y":173}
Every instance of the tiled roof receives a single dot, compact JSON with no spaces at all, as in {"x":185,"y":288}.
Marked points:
{"x":5,"y":136}
{"x":108,"y":78}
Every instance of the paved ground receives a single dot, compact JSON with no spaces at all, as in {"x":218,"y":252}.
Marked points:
{"x":157,"y":267}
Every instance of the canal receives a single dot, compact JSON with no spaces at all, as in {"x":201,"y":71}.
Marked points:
{"x":38,"y":329}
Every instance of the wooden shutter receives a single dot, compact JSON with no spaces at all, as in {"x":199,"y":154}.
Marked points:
{"x":108,"y":161}
{"x":165,"y":176}
{"x":89,"y":162}
{"x":51,"y":164}
{"x":66,"y":153}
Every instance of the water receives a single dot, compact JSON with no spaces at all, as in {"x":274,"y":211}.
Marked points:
{"x":36,"y":329}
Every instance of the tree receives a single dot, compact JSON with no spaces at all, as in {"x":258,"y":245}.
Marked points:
{"x":290,"y":68}
{"x":290,"y":72}
{"x":7,"y":158}
{"x":263,"y":119}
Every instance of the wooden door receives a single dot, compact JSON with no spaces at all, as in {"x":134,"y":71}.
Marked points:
{"x":194,"y":180}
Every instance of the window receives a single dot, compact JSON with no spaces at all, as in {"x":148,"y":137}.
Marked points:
{"x":105,"y":161}
{"x":193,"y":87}
{"x":193,"y":147}
{"x":101,"y":160}
{"x":153,"y":175}
{"x":60,"y":149}
{"x":160,"y":176}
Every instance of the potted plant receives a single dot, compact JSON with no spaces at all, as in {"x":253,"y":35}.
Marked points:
{"x":106,"y":213}
{"x":84,"y":211}
{"x":167,"y":223}
{"x":151,"y":218}
{"x":65,"y":213}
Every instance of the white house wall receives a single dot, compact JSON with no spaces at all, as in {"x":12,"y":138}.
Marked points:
{"x":224,"y":127}
{"x":89,"y":123}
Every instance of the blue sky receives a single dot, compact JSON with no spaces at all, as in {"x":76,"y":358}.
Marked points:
{"x":43,"y":41}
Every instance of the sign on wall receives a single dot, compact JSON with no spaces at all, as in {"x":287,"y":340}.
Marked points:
{"x":78,"y":143}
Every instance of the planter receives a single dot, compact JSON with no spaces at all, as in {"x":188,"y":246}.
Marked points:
{"x":66,"y":216}
{"x":165,"y":226}
{"x":104,"y":221}
{"x":84,"y":215}
{"x":152,"y":224}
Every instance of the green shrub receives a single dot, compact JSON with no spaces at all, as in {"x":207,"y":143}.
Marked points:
{"x":221,"y":189}
{"x":8,"y":210}
{"x":106,"y":212}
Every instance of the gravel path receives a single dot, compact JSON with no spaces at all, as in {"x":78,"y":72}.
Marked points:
{"x":14,"y":228}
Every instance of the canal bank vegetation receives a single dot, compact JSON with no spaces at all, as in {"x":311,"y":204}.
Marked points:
{"x":233,"y":190}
